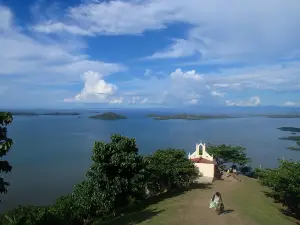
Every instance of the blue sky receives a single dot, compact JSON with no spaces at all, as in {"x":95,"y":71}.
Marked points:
{"x":144,"y":53}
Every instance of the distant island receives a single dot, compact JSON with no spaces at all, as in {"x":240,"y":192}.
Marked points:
{"x":282,"y":116}
{"x":290,"y":129}
{"x":294,"y":131}
{"x":61,"y":114}
{"x":108,"y":116}
{"x":187,"y":117}
{"x":24,"y":114}
{"x":291,"y":138}
{"x":45,"y":114}
{"x":295,"y":148}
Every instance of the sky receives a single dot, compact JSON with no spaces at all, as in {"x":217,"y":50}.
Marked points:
{"x":149,"y":53}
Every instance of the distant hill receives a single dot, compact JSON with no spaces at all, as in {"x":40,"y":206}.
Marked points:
{"x":108,"y":116}
{"x":290,"y":129}
{"x":187,"y":117}
{"x":45,"y":114}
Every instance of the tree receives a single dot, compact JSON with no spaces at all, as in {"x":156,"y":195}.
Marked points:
{"x":30,"y":215}
{"x":115,"y":179}
{"x":284,"y":183}
{"x":224,"y":154}
{"x":168,"y":169}
{"x":67,"y":211}
{"x":5,"y":144}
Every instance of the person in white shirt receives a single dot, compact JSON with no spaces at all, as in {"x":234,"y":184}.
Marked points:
{"x":216,"y":203}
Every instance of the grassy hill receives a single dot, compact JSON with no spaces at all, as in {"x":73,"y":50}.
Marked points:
{"x":245,"y":204}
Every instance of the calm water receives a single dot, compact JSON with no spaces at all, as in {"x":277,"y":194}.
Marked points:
{"x":52,"y":153}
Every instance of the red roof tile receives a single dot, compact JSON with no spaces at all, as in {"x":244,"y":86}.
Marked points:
{"x":202,"y":160}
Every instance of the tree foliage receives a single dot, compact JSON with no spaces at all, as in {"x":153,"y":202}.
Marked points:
{"x":115,"y":179}
{"x":66,"y":211}
{"x":284,"y":182}
{"x":224,"y":154}
{"x":168,"y":169}
{"x":5,"y":144}
{"x":30,"y":215}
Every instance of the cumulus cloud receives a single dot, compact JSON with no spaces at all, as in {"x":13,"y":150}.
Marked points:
{"x":176,"y":88}
{"x":189,"y":75}
{"x":189,"y":87}
{"x":253,"y":101}
{"x":95,"y":89}
{"x":244,"y":31}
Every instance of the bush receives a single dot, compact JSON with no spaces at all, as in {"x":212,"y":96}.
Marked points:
{"x":30,"y":215}
{"x":66,"y":209}
{"x":248,"y":171}
{"x":115,"y":179}
{"x":284,"y":182}
{"x":169,"y":169}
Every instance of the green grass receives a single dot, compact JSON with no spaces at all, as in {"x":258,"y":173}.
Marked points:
{"x":158,"y":213}
{"x":246,"y":198}
{"x":251,"y":200}
{"x":155,"y":211}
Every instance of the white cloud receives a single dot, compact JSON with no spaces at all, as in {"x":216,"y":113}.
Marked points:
{"x":95,"y":89}
{"x":243,"y":32}
{"x":189,"y":75}
{"x":186,"y":87}
{"x":41,"y":60}
{"x":247,"y":30}
{"x":253,"y":101}
{"x":180,"y":48}
{"x":274,"y":77}
{"x":177,"y":88}
{"x":109,"y":18}
{"x":117,"y":101}
{"x":219,"y":94}
{"x":134,"y":100}
{"x":194,"y":101}
{"x":137,"y":100}
{"x":290,"y":103}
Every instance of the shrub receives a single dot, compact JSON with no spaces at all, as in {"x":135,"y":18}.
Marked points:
{"x":115,"y":179}
{"x":284,"y":182}
{"x":30,"y":215}
{"x":248,"y":171}
{"x":66,"y":209}
{"x":168,"y":169}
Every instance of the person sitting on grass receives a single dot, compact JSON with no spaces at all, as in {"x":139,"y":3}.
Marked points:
{"x":216,"y":203}
{"x":234,"y":173}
